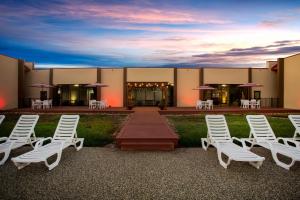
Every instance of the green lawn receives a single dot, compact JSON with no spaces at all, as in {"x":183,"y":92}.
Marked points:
{"x":97,"y":130}
{"x":191,"y":128}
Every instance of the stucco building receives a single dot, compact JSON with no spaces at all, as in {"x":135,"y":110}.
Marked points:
{"x":147,"y":86}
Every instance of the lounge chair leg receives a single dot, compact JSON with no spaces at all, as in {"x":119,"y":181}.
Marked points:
{"x":204,"y":143}
{"x":21,"y":165}
{"x":257,"y":165}
{"x":280,"y":163}
{"x":224,"y":164}
{"x":55,"y":163}
{"x":78,"y":147}
{"x":5,"y":157}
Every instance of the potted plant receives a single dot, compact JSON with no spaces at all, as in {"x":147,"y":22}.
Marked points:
{"x":162,"y":104}
{"x":130,"y":104}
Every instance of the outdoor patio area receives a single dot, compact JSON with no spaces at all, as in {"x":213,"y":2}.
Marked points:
{"x":168,"y":110}
{"x":186,"y":173}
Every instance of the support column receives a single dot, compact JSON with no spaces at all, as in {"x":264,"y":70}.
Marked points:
{"x":20,"y":83}
{"x":125,"y":87}
{"x":201,"y":81}
{"x":280,"y":63}
{"x":98,"y":81}
{"x":51,"y":83}
{"x":250,"y":81}
{"x":175,"y":88}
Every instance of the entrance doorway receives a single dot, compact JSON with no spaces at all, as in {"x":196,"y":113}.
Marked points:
{"x":225,"y":94}
{"x":149,"y":93}
{"x":73,"y":95}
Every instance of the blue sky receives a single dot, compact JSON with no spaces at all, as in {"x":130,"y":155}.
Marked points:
{"x":191,"y":33}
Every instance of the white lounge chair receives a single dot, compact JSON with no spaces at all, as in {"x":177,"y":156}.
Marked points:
{"x":2,"y":117}
{"x":262,"y":134}
{"x":218,"y":136}
{"x":65,"y":135}
{"x":295,"y":119}
{"x":22,"y":134}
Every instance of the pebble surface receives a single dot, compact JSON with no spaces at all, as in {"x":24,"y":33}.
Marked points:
{"x":186,"y":173}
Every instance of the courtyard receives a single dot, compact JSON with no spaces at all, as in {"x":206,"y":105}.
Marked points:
{"x":186,"y":173}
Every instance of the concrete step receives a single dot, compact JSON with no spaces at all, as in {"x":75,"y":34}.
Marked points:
{"x":153,"y":146}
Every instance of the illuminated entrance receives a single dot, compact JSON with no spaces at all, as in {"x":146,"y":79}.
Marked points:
{"x":149,"y":93}
{"x":73,"y":95}
{"x":225,"y":94}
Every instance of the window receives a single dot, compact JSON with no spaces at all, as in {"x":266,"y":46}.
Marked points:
{"x":257,"y":94}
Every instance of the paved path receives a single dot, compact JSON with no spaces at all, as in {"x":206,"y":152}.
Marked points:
{"x":185,"y":173}
{"x":147,"y":129}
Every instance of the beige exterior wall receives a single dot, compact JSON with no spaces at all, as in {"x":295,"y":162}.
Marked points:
{"x":268,"y":79}
{"x":114,"y":92}
{"x":150,"y":75}
{"x":32,"y":77}
{"x":74,"y":76}
{"x":187,"y":79}
{"x":225,"y":76}
{"x":292,"y":82}
{"x":8,"y":83}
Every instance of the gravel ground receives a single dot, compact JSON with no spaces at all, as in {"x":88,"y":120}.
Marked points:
{"x":186,"y":173}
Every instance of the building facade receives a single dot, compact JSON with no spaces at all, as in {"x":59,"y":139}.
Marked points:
{"x":149,"y":86}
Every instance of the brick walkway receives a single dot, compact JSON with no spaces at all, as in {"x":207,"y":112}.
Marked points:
{"x":146,"y":130}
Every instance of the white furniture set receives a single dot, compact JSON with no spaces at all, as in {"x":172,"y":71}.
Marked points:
{"x":261,"y":134}
{"x":218,"y":135}
{"x":38,"y":104}
{"x":93,"y":104}
{"x":253,"y":103}
{"x":208,"y":104}
{"x":23,"y":134}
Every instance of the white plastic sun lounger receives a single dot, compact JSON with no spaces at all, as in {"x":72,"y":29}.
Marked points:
{"x":2,"y":117}
{"x":22,"y":134}
{"x":262,"y":134}
{"x":295,"y":119}
{"x":65,"y":135}
{"x":218,"y":136}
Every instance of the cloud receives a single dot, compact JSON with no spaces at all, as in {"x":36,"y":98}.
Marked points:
{"x":260,"y":53}
{"x":271,"y":23}
{"x":116,"y":13}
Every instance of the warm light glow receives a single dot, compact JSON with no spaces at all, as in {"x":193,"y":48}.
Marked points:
{"x":2,"y":103}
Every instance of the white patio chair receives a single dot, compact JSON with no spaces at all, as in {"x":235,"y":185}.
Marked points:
{"x":50,"y":103}
{"x":92,"y":104}
{"x":65,"y":135}
{"x":22,"y":134}
{"x":253,"y":103}
{"x":2,"y":117}
{"x":262,"y":134}
{"x":199,"y":104}
{"x":209,"y":104}
{"x":242,"y":103}
{"x":246,"y":103}
{"x":100,"y":105}
{"x":105,"y":103}
{"x":36,"y":104}
{"x":218,"y":136}
{"x":46,"y":104}
{"x":257,"y":104}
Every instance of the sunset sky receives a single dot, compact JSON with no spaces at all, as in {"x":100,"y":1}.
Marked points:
{"x":144,"y":33}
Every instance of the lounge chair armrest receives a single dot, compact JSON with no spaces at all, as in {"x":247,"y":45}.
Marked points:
{"x":2,"y":139}
{"x":286,"y":141}
{"x":41,"y":142}
{"x":241,"y":141}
